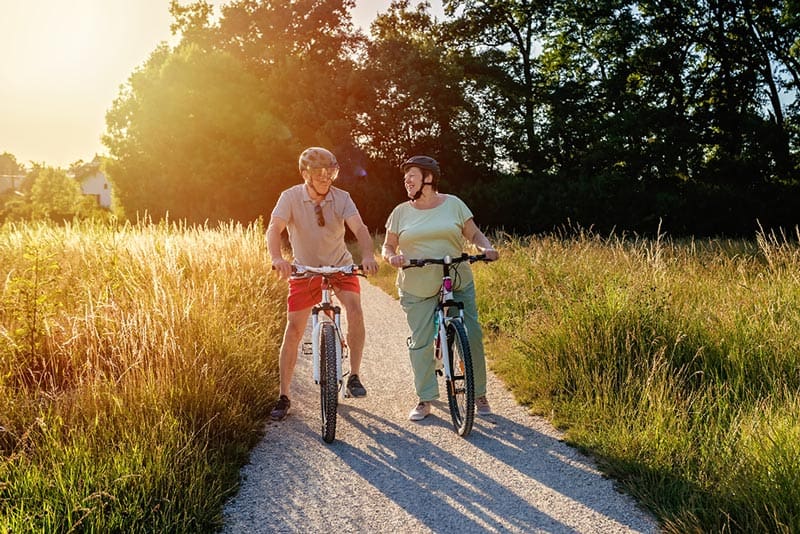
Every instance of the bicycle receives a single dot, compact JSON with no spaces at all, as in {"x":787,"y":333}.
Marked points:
{"x":454,"y":354}
{"x":328,"y":346}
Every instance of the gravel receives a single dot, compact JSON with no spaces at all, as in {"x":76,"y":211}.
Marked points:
{"x":385,"y":473}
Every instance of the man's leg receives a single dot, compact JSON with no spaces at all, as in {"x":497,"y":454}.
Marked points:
{"x":295,"y":328}
{"x":356,"y":334}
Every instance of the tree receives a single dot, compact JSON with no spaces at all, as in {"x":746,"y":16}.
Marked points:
{"x":53,"y":195}
{"x":9,"y":165}
{"x":211,"y":130}
{"x":420,"y":102}
{"x":193,"y":137}
{"x":499,"y":41}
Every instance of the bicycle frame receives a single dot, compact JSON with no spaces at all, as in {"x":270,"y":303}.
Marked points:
{"x":327,"y":328}
{"x":442,"y":318}
{"x":326,"y":311}
{"x":331,"y":313}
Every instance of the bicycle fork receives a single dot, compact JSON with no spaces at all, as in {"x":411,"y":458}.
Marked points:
{"x":442,"y":349}
{"x":441,"y":318}
{"x":321,"y":315}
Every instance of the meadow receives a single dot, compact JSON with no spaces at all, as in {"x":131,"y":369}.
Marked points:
{"x":676,"y":363}
{"x":138,"y":363}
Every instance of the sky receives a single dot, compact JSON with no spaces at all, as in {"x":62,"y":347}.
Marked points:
{"x":62,"y":63}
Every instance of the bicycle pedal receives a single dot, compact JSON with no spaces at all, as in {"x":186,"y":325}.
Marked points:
{"x":439,"y":372}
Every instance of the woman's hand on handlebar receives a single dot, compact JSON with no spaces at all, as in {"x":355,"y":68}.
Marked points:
{"x":397,"y":261}
{"x":491,"y":254}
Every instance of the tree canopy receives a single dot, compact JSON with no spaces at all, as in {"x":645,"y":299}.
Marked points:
{"x":611,"y":113}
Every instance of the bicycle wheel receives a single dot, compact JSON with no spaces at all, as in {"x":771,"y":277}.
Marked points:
{"x":461,"y":387}
{"x":328,"y":385}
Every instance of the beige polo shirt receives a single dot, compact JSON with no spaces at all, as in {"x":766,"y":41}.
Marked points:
{"x":314,"y":245}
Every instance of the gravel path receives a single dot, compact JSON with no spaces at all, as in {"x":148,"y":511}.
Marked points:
{"x":385,"y":473}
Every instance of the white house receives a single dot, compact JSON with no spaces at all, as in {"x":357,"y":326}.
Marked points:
{"x":10,"y":182}
{"x":96,"y":185}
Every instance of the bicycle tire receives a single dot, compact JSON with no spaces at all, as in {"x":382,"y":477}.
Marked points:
{"x":461,"y":385}
{"x":328,"y":383}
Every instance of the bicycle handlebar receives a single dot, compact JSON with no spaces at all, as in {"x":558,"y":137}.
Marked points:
{"x":447,"y":260}
{"x":306,"y":270}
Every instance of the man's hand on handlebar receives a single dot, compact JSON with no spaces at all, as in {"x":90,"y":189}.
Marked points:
{"x":369,"y":266}
{"x":283,"y":267}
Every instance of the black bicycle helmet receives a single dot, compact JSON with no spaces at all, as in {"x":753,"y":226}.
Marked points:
{"x":423,"y":162}
{"x":317,"y":158}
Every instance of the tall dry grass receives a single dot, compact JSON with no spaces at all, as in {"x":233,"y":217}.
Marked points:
{"x":675,"y":362}
{"x":136,"y":364}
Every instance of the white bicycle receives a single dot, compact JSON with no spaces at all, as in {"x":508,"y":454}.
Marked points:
{"x":328,"y":345}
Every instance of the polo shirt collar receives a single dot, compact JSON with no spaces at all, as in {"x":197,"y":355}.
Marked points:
{"x":307,"y":196}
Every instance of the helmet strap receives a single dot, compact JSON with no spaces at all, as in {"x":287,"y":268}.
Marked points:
{"x":311,"y":185}
{"x":419,"y":191}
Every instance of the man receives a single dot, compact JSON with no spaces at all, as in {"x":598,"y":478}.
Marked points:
{"x":315,"y":214}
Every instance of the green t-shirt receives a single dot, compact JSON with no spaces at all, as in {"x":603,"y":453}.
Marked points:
{"x":431,"y":233}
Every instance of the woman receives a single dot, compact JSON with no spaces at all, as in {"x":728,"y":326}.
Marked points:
{"x":434,"y":225}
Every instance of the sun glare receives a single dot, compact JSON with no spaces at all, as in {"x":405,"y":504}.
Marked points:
{"x":62,"y":63}
{"x":57,"y":43}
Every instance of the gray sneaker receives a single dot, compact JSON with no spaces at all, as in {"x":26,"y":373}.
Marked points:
{"x":482,"y":406}
{"x":281,"y":409}
{"x":355,"y":388}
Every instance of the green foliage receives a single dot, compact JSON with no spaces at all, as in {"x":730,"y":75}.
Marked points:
{"x":676,"y":363}
{"x":211,"y":129}
{"x":9,"y":165}
{"x":194,"y":138}
{"x":613,"y":114}
{"x":49,"y":194}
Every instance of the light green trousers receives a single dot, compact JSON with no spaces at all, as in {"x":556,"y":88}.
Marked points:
{"x":419,"y":314}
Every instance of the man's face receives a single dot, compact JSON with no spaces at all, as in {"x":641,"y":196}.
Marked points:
{"x":321,"y":178}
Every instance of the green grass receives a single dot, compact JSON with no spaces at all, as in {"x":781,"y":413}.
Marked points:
{"x":138,"y":363}
{"x":136,"y":367}
{"x":675,"y":363}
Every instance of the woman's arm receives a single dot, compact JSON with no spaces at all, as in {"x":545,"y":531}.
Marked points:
{"x":389,"y":250}
{"x":474,"y":235}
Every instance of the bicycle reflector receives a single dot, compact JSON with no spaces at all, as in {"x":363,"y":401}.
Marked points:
{"x":448,"y":284}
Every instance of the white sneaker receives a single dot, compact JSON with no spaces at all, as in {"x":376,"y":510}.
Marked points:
{"x":482,"y":406}
{"x":422,"y":410}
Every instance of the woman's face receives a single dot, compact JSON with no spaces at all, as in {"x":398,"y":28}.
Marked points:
{"x":412,"y":180}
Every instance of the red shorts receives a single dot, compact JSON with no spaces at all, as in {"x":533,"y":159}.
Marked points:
{"x":307,"y":292}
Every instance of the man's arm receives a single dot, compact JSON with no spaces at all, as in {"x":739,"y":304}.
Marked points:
{"x":365,"y":243}
{"x":274,"y":229}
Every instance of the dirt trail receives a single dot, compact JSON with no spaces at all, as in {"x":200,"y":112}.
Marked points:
{"x":385,"y":473}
